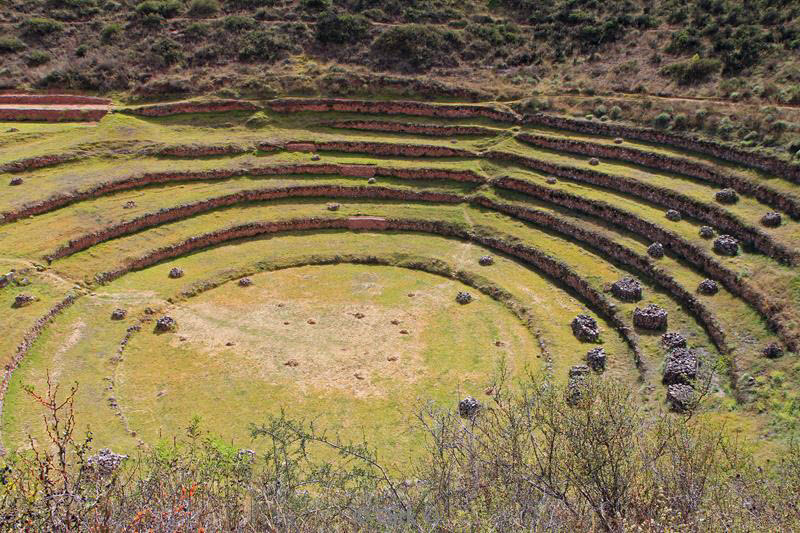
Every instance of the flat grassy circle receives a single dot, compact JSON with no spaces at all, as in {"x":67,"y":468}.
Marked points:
{"x":356,"y":346}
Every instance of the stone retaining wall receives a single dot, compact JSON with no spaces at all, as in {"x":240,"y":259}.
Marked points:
{"x":392,"y":149}
{"x":176,"y":108}
{"x":409,"y":127}
{"x":763,"y":193}
{"x":42,"y":114}
{"x":770,"y":164}
{"x":390,"y":107}
{"x":713,"y":215}
{"x":52,"y":99}
{"x":39,"y":161}
{"x":202,"y":150}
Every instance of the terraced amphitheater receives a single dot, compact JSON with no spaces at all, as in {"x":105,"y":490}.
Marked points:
{"x":345,"y":260}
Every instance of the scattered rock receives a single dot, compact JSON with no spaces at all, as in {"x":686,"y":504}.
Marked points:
{"x":176,"y":273}
{"x":315,"y":157}
{"x":680,"y":397}
{"x":673,"y":215}
{"x":656,"y":250}
{"x":672,"y":340}
{"x":333,"y":207}
{"x":6,"y":279}
{"x":24,"y":282}
{"x":726,"y":196}
{"x":292,"y":363}
{"x":772,"y":350}
{"x":371,"y":181}
{"x":410,"y":294}
{"x":311,"y":321}
{"x":578,"y":375}
{"x":486,"y":260}
{"x":286,"y":323}
{"x":706,"y":232}
{"x":104,"y":463}
{"x":618,"y":140}
{"x":469,"y":407}
{"x":596,"y":357}
{"x":726,"y":245}
{"x":15,"y":181}
{"x":245,"y":282}
{"x":627,"y":290}
{"x":771,"y":220}
{"x":488,"y":391}
{"x":392,"y":358}
{"x":358,"y":376}
{"x":359,"y":315}
{"x":552,"y":181}
{"x":230,"y":343}
{"x":680,"y":366}
{"x":395,"y":322}
{"x":463,"y":297}
{"x":22,"y":300}
{"x":403,"y":332}
{"x":651,"y":317}
{"x":594,"y":161}
{"x":499,"y":343}
{"x":149,"y":311}
{"x":166,"y":323}
{"x":708,"y":287}
{"x":585,"y":329}
{"x":12,"y":130}
{"x":129,"y":205}
{"x":118,"y":314}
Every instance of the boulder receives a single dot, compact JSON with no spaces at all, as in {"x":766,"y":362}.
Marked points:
{"x":708,"y":287}
{"x":771,"y":220}
{"x":315,"y":157}
{"x":672,"y":340}
{"x":15,"y":182}
{"x":371,"y":181}
{"x":469,"y":407}
{"x":651,"y":317}
{"x":618,"y":140}
{"x":726,"y":245}
{"x":463,"y":297}
{"x":680,"y":366}
{"x":656,"y":250}
{"x":176,"y":273}
{"x":673,"y":215}
{"x":486,"y":260}
{"x":680,"y":397}
{"x":576,"y":384}
{"x":104,"y":463}
{"x":706,"y":232}
{"x":596,"y":358}
{"x":333,"y":207}
{"x":165,"y":323}
{"x":6,"y":279}
{"x":552,"y":181}
{"x":726,"y":196}
{"x":627,"y":290}
{"x":245,"y":282}
{"x":585,"y":328}
{"x":129,"y":205}
{"x":118,"y":314}
{"x":22,"y":300}
{"x":772,"y":350}
{"x":594,"y":161}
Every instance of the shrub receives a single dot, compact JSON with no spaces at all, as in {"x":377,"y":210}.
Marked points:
{"x":203,"y":8}
{"x":681,"y":121}
{"x":163,"y":8}
{"x":600,"y":110}
{"x":696,"y":70}
{"x":81,"y":50}
{"x":37,"y":57}
{"x":662,"y":120}
{"x":110,"y":32}
{"x":38,"y":27}
{"x":684,"y":41}
{"x":263,"y":45}
{"x":416,"y":47}
{"x":10,"y":45}
{"x":341,"y":28}
{"x":197,"y":29}
{"x":615,"y":112}
{"x":315,"y":5}
{"x":238,"y":23}
{"x":167,"y":51}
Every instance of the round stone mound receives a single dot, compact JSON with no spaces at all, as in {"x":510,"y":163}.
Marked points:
{"x":706,"y":232}
{"x":726,"y":196}
{"x":771,"y":220}
{"x":245,"y":282}
{"x":596,"y":358}
{"x":651,"y":317}
{"x":680,"y":367}
{"x":552,"y":181}
{"x":708,"y":287}
{"x":672,"y":340}
{"x":656,"y":250}
{"x":333,"y":207}
{"x":585,"y":328}
{"x":463,"y":297}
{"x":176,"y":273}
{"x":468,"y":407}
{"x":673,"y":215}
{"x":371,"y":181}
{"x":165,"y":324}
{"x":594,"y":161}
{"x":15,"y":182}
{"x":23,"y":300}
{"x":576,"y":383}
{"x":680,"y":397}
{"x":118,"y":314}
{"x":486,"y":260}
{"x":772,"y":350}
{"x":627,"y":290}
{"x":726,"y":245}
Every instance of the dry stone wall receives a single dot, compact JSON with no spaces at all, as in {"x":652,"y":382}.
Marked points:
{"x":176,"y":108}
{"x":409,"y":127}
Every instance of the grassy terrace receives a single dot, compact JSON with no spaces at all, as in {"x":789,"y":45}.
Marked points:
{"x":161,"y":381}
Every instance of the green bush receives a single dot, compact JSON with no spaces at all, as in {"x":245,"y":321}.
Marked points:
{"x":110,"y":32}
{"x":203,"y":8}
{"x":342,"y":28}
{"x":81,"y":50}
{"x":600,"y":110}
{"x":315,"y":5}
{"x":681,"y":121}
{"x":165,"y":8}
{"x":37,"y":57}
{"x":167,"y":51}
{"x":615,"y":112}
{"x":263,"y":45}
{"x":238,"y":23}
{"x":662,"y":120}
{"x":10,"y":45}
{"x":38,"y":26}
{"x":696,"y":70}
{"x":416,"y":47}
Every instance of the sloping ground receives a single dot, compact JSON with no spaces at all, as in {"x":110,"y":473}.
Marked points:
{"x":207,"y":188}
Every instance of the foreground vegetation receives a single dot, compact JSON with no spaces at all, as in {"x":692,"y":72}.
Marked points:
{"x":528,"y":460}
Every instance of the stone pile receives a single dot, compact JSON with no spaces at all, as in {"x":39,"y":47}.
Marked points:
{"x":15,"y":181}
{"x":627,"y":290}
{"x":551,"y":181}
{"x":680,"y":397}
{"x":576,"y":384}
{"x":594,"y":161}
{"x":104,"y":462}
{"x":772,"y":351}
{"x":596,"y":358}
{"x":176,"y":273}
{"x":708,"y":287}
{"x":771,"y":220}
{"x":672,"y":340}
{"x":486,"y":260}
{"x":166,"y":323}
{"x":680,"y":367}
{"x":656,"y":250}
{"x":463,"y":297}
{"x":673,"y":215}
{"x":333,"y":207}
{"x":706,"y":232}
{"x":6,"y":279}
{"x":651,"y":317}
{"x":726,"y":196}
{"x":22,"y":300}
{"x":469,"y":407}
{"x":118,"y":314}
{"x":245,"y":282}
{"x":726,"y":245}
{"x":585,"y":329}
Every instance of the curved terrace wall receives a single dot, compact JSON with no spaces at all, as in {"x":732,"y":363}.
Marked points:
{"x":176,"y":108}
{"x":409,"y":127}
